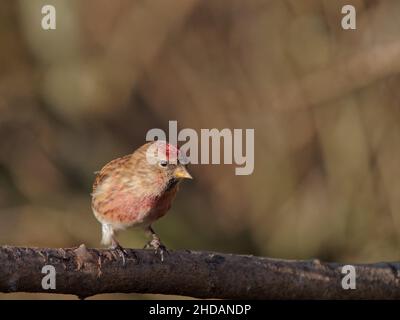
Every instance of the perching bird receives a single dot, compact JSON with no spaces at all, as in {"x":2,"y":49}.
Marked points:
{"x":136,"y":190}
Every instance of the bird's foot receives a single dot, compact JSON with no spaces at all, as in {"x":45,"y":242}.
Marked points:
{"x":121,"y":252}
{"x":159,"y":248}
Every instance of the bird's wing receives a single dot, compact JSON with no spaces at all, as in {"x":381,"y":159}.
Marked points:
{"x":109,"y":169}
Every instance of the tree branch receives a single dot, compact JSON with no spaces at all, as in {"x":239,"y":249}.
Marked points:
{"x":86,"y":272}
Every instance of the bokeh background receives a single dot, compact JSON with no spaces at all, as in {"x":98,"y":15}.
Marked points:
{"x":324,"y":103}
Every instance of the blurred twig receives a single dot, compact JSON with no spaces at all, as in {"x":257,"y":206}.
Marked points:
{"x":86,"y":272}
{"x":358,"y":71}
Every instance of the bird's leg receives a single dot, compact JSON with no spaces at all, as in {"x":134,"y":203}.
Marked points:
{"x":109,"y":238}
{"x":118,"y":248}
{"x":155,"y":243}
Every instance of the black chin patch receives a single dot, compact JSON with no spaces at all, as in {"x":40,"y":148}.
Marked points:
{"x":171,"y":183}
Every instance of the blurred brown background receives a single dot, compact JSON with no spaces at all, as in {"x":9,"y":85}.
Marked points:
{"x":324,"y":103}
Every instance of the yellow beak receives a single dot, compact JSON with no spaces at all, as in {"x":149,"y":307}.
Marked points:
{"x":182,"y":173}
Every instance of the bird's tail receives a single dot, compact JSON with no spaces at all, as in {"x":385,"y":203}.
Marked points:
{"x":107,"y":234}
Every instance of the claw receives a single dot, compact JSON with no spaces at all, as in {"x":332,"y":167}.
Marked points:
{"x":121,"y":252}
{"x":159,"y":248}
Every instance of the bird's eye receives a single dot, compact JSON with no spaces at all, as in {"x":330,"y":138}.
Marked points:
{"x":163,"y":163}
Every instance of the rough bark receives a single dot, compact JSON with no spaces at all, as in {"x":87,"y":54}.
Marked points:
{"x":86,"y":272}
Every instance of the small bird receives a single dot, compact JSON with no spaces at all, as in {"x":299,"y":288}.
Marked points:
{"x":136,"y":190}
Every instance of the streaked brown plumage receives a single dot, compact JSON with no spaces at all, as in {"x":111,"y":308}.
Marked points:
{"x":137,"y":189}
